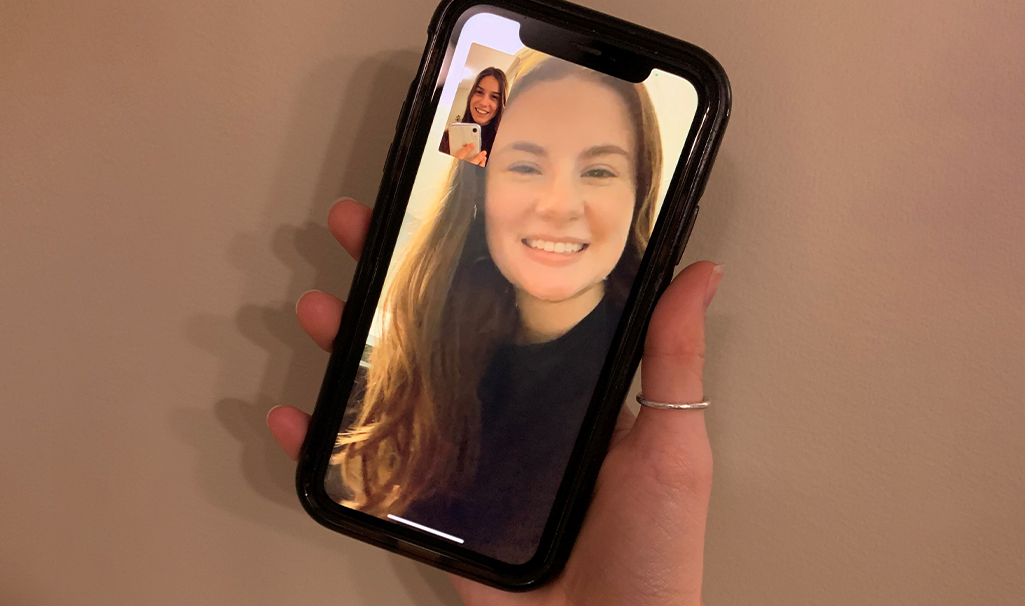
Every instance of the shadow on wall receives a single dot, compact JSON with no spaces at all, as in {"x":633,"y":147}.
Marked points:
{"x":370,"y":94}
{"x":719,"y":207}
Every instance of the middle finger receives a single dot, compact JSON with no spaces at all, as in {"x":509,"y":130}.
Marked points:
{"x":349,"y":220}
{"x":320,"y":314}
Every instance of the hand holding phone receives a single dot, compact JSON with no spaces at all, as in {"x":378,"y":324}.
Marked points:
{"x":467,"y":153}
{"x":646,"y":523}
{"x":464,"y":140}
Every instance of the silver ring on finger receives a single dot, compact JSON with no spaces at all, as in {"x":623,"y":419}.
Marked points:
{"x":673,"y":405}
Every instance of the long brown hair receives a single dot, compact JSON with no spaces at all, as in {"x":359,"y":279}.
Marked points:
{"x":447,"y":308}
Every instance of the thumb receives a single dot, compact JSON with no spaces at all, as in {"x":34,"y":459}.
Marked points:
{"x":672,"y":460}
{"x":671,"y":371}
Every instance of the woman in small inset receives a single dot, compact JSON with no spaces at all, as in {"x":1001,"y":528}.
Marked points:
{"x":484,"y":106}
{"x":500,"y":317}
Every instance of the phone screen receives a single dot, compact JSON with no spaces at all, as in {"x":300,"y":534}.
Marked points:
{"x":505,"y":288}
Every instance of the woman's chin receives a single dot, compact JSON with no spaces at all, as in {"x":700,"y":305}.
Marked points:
{"x":555,"y":293}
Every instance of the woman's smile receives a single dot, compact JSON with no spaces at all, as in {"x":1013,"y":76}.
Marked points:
{"x":556,"y":246}
{"x":554,"y":253}
{"x":481,"y":111}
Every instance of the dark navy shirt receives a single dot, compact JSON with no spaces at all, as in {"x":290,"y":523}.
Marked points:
{"x":533,"y":400}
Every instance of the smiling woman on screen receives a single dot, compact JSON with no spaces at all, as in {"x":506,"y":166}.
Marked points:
{"x":499,"y":319}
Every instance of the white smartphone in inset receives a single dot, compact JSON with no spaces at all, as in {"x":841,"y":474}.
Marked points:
{"x":459,"y":134}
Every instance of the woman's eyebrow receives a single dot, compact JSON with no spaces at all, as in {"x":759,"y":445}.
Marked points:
{"x":526,"y":146}
{"x":604,"y":150}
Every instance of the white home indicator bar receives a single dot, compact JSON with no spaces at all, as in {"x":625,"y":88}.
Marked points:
{"x":424,"y":528}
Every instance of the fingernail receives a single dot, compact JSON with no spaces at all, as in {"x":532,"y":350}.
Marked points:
{"x":340,"y":200}
{"x":300,"y":299}
{"x":272,"y":409}
{"x":713,"y":283}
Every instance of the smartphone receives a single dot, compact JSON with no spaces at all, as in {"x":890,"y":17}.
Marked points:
{"x":460,"y":134}
{"x":497,"y":313}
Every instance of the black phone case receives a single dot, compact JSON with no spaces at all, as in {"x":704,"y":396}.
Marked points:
{"x":664,"y":251}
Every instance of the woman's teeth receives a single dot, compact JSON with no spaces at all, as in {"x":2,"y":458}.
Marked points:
{"x":481,"y":111}
{"x":557,"y":247}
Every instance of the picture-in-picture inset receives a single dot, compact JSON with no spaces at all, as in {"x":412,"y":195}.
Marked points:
{"x":478,"y":106}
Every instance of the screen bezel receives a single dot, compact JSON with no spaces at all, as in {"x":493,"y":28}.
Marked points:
{"x":661,"y":255}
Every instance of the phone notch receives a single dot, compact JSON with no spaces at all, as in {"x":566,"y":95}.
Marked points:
{"x":584,"y":50}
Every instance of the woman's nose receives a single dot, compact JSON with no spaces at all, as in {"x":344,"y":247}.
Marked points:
{"x":559,"y":200}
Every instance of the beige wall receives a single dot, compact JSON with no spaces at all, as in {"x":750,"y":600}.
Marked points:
{"x":165,"y":168}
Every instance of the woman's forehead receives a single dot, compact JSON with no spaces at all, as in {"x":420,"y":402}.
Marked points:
{"x":488,"y":82}
{"x":577,"y":111}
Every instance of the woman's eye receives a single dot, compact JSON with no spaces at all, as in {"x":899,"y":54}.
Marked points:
{"x":598,"y":173}
{"x":524,"y":169}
